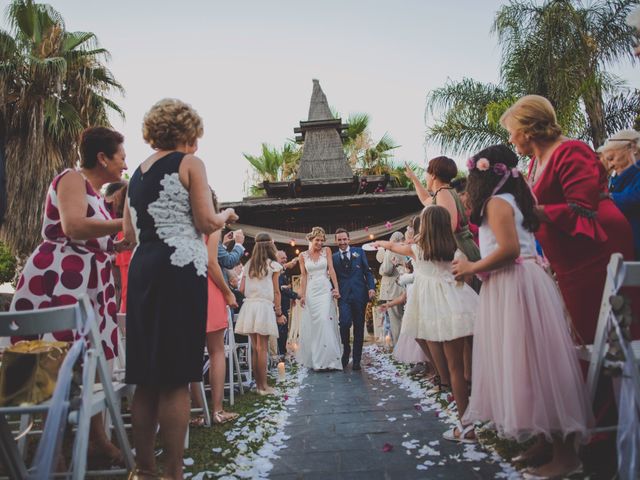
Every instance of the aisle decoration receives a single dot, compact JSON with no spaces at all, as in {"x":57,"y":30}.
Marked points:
{"x":255,"y":438}
{"x":381,"y":367}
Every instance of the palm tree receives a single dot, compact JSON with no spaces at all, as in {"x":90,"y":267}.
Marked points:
{"x":399,"y":175}
{"x":53,"y":84}
{"x":376,"y":160}
{"x":471,"y":112}
{"x":363,"y":155}
{"x":559,"y":50}
{"x":273,"y":165}
{"x":356,"y":137}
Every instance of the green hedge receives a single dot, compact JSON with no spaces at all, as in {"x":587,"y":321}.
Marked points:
{"x":7,"y":264}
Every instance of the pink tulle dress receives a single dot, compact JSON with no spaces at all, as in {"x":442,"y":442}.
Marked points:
{"x":526,"y":377}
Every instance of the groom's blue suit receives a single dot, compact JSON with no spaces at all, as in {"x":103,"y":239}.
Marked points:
{"x":354,"y":282}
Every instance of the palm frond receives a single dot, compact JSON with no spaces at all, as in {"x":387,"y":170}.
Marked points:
{"x":621,"y":110}
{"x":53,"y":84}
{"x":87,"y":40}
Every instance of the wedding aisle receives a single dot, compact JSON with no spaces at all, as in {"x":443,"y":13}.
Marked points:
{"x":376,"y":424}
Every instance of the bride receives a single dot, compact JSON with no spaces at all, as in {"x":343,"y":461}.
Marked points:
{"x":319,"y":344}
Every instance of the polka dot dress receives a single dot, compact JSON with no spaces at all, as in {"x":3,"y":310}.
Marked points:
{"x":62,"y":269}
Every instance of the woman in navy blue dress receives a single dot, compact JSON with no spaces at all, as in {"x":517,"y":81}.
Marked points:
{"x":169,"y":209}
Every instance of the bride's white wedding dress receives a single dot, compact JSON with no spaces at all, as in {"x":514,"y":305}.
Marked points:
{"x":319,"y":343}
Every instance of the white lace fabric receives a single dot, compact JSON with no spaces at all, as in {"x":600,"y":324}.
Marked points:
{"x":173,"y":218}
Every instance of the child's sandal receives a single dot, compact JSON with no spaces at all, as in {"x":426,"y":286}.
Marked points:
{"x":461,"y":437}
{"x":198,"y":421}
{"x":221,"y":417}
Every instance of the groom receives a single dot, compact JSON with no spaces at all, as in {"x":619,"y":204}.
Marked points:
{"x":357,"y":287}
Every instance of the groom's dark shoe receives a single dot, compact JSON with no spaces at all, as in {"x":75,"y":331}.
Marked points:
{"x":356,"y":367}
{"x":345,"y":361}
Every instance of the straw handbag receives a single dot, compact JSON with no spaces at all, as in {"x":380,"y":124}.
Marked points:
{"x":29,"y":371}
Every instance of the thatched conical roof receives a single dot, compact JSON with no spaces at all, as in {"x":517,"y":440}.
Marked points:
{"x":319,"y":107}
{"x":323,"y":157}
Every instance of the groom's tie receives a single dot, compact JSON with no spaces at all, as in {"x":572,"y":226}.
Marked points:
{"x":345,"y":260}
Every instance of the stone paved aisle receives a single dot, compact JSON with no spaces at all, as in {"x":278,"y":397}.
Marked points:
{"x":343,"y":421}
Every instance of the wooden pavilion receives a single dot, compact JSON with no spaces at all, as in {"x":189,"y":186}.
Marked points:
{"x":326,"y":192}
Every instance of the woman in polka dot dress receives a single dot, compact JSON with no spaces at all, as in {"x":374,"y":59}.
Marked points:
{"x":75,"y":256}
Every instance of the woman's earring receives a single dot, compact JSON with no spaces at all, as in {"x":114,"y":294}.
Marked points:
{"x":104,"y":164}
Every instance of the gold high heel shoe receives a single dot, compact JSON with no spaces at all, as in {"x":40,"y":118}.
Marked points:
{"x":139,"y":474}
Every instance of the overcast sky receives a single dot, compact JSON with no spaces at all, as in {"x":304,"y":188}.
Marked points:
{"x":246,"y":66}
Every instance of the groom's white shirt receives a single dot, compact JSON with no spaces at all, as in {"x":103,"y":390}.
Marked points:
{"x":348,"y":250}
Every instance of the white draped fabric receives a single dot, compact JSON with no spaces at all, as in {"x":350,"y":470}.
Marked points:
{"x":369,"y":234}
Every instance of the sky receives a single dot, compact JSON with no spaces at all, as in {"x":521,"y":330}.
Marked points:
{"x":247,"y":66}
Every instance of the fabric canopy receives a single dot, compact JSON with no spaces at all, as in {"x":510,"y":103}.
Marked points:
{"x":367,"y":234}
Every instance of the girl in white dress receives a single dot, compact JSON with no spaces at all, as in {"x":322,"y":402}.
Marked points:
{"x":406,"y":349}
{"x":261,"y":307}
{"x":320,"y":346}
{"x":440,"y":310}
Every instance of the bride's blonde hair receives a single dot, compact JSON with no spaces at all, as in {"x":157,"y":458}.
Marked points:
{"x":316,"y":232}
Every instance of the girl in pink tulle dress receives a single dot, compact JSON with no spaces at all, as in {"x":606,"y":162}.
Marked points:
{"x":526,"y":377}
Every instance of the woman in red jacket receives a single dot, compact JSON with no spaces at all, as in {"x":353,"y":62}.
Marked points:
{"x":580,"y":226}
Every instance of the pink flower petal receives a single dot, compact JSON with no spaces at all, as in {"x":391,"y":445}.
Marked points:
{"x":387,"y":447}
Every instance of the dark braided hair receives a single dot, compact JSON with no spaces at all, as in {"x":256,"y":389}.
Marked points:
{"x":480,"y":185}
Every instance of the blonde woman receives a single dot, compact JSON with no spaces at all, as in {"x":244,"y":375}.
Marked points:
{"x":319,"y":334}
{"x":579,"y":226}
{"x":169,"y":207}
{"x":621,"y":153}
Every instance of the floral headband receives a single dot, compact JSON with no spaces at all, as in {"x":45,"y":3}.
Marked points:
{"x":500,"y":169}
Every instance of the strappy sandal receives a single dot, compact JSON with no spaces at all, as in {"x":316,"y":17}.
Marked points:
{"x":266,"y":391}
{"x":462,"y":434}
{"x":139,"y":474}
{"x":221,"y":417}
{"x":198,"y":421}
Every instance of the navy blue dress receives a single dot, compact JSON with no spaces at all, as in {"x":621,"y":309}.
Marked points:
{"x":167,"y":296}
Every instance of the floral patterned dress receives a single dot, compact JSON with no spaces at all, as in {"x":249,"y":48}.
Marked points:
{"x":61,"y":269}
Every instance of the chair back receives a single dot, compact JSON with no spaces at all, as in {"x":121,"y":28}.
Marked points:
{"x":38,"y":322}
{"x":230,"y":338}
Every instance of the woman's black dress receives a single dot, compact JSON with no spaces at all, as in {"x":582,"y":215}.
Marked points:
{"x":167,"y":297}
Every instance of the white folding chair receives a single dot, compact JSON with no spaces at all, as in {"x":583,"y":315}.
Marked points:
{"x":202,"y":396}
{"x":232,"y":359}
{"x":121,"y":360}
{"x":610,"y":332}
{"x":78,"y":317}
{"x":233,"y":362}
{"x":245,"y":366}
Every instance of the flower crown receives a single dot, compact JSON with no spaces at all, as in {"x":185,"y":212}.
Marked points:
{"x":483,"y":165}
{"x":500,"y":169}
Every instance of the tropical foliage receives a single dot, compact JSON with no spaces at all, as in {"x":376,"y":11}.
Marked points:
{"x":560,"y":49}
{"x":7,"y":264}
{"x":272,"y":165}
{"x":53,"y":84}
{"x":366,"y":156}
